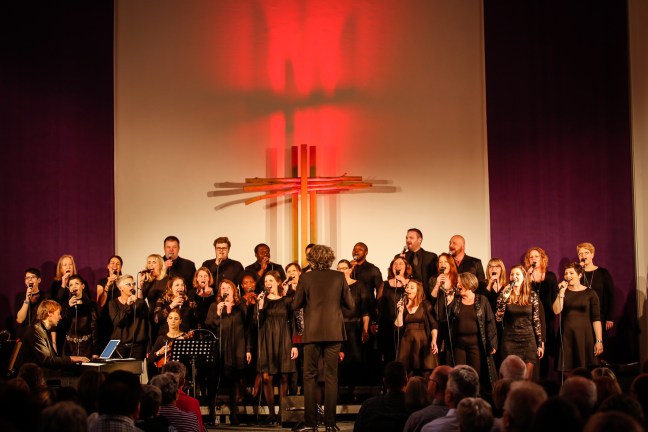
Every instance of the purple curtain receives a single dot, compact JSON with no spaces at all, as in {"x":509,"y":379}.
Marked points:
{"x":56,"y":128}
{"x":559,"y":145}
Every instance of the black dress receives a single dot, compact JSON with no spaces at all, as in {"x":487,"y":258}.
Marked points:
{"x":547,"y":292}
{"x":580,"y":310}
{"x":353,"y":324}
{"x":522,"y":333}
{"x":230,"y":329}
{"x":600,"y":280}
{"x":275,"y":337}
{"x":82,"y":339}
{"x":387,"y":334}
{"x":415,"y":351}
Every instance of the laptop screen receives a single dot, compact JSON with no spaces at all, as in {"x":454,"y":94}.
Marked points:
{"x":110,"y":349}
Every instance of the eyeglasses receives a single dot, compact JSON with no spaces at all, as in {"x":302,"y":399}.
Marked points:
{"x":129,"y":284}
{"x":221,"y":248}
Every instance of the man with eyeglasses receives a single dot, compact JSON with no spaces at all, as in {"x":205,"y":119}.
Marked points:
{"x":26,"y":303}
{"x":129,"y":317}
{"x":222,"y":267}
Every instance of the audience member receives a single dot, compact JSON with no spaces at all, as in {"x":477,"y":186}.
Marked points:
{"x":463,"y":382}
{"x":582,"y":393}
{"x":625,"y":404}
{"x":612,"y":422}
{"x":416,"y":394}
{"x":521,"y":405}
{"x":513,"y":367}
{"x":639,"y":391}
{"x":149,"y":419}
{"x":181,"y":420}
{"x":64,"y":416}
{"x":385,"y":412}
{"x":437,"y":383}
{"x":89,"y":385}
{"x":557,"y":414}
{"x":475,"y":415}
{"x":605,"y":387}
{"x":500,"y":391}
{"x":184,"y":402}
{"x":119,"y":398}
{"x":35,"y":379}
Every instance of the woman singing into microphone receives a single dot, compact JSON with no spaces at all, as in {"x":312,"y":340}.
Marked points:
{"x":519,"y":309}
{"x":580,"y":322}
{"x":398,"y":274}
{"x":418,"y":346}
{"x":276,"y":350}
{"x":175,"y":298}
{"x":81,"y":312}
{"x":445,"y":282}
{"x":227,"y":318}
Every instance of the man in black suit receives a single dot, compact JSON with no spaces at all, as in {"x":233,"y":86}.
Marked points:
{"x":322,"y":293}
{"x":465,"y":263}
{"x":38,"y":346}
{"x":175,"y":265}
{"x":424,"y":263}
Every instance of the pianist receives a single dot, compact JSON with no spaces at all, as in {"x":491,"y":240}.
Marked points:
{"x":37,"y":347}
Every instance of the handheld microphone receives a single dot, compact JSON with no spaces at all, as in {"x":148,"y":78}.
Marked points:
{"x":398,"y":272}
{"x":132,"y":291}
{"x":355,"y":257}
{"x":582,"y":262}
{"x":442,"y":270}
{"x":225,"y":295}
{"x":404,"y":250}
{"x":146,"y":271}
{"x":31,"y":286}
{"x":114,"y":272}
{"x":289,"y":279}
{"x":532,"y":265}
{"x":493,"y":273}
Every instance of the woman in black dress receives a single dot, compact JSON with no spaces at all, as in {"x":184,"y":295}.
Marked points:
{"x":203,"y":294}
{"x":227,"y":318}
{"x":58,"y":291}
{"x":276,"y":350}
{"x":106,"y":288}
{"x":81,"y":312}
{"x":444,"y":282}
{"x":175,"y":297}
{"x":472,"y":328}
{"x":519,"y":310}
{"x":580,"y":322}
{"x":153,"y":282}
{"x":600,"y":280}
{"x":545,"y":283}
{"x":418,"y":346}
{"x":398,"y":275}
{"x":356,"y":324}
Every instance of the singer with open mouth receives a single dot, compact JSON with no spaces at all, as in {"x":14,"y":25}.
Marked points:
{"x":545,"y":283}
{"x":129,"y":317}
{"x":226,"y":317}
{"x":276,"y":352}
{"x":175,"y":297}
{"x":518,"y":308}
{"x":418,"y":346}
{"x":81,"y":312}
{"x":398,"y":275}
{"x":443,"y":283}
{"x":580,"y":322}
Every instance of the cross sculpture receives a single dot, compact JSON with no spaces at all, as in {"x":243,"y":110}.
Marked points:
{"x":304,"y":184}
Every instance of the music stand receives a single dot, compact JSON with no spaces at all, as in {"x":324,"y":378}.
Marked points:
{"x":193,"y":350}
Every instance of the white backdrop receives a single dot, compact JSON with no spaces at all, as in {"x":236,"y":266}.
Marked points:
{"x":216,"y":91}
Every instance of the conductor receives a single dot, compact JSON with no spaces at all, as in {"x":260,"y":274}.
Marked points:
{"x":322,"y":293}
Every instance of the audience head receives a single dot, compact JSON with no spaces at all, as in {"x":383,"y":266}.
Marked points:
{"x":513,"y":367}
{"x":150,"y":402}
{"x":522,"y":403}
{"x":120,"y":394}
{"x":603,"y":371}
{"x":438,"y":382}
{"x":501,"y":389}
{"x":463,"y":382}
{"x":557,"y":414}
{"x":474,"y":415}
{"x":605,"y":387}
{"x":168,"y":385}
{"x":611,"y":422}
{"x":395,"y":376}
{"x":416,"y":395}
{"x":178,"y":369}
{"x":581,"y":392}
{"x":623,"y":403}
{"x":64,"y":416}
{"x":89,"y":385}
{"x":639,"y":391}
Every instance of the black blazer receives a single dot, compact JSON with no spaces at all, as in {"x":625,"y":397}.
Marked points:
{"x":322,"y":294}
{"x":426,"y":269}
{"x":37,"y":348}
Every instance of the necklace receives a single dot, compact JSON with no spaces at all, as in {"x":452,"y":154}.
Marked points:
{"x":589,"y":283}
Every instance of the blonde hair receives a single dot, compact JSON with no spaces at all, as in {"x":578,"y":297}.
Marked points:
{"x":498,"y":262}
{"x":160,"y":261}
{"x":59,"y":270}
{"x":589,"y":246}
{"x":45,"y":308}
{"x":524,"y":298}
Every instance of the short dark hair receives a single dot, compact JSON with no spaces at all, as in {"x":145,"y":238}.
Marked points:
{"x":168,"y":385}
{"x":364,"y":246}
{"x":172,"y":238}
{"x":120,"y":394}
{"x":223,"y":240}
{"x":463,"y":382}
{"x":417,"y":231}
{"x":256,"y":248}
{"x":121,"y":261}
{"x":150,"y":402}
{"x":395,"y":375}
{"x":34,"y":271}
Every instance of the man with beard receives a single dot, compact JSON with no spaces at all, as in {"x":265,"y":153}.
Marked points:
{"x":424,"y":263}
{"x":465,"y":263}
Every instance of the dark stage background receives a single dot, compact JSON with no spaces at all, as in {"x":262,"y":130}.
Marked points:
{"x":558,"y":140}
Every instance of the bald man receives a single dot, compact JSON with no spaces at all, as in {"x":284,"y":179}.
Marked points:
{"x":465,"y":263}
